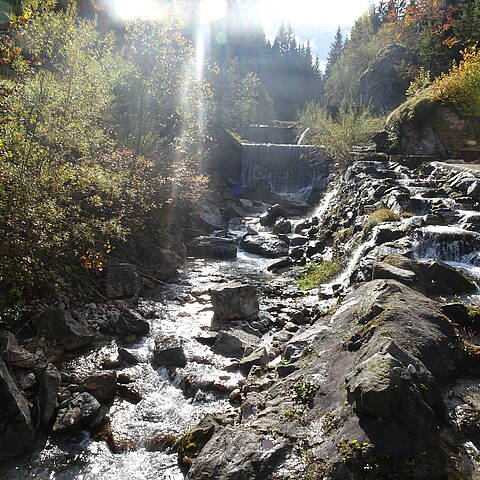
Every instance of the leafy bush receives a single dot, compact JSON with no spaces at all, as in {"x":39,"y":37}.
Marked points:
{"x":339,"y":135}
{"x":304,"y":392}
{"x":421,"y":82}
{"x":461,"y":85}
{"x":313,"y":275}
{"x":382,"y":215}
{"x":70,"y":190}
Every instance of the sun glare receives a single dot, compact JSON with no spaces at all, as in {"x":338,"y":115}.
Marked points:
{"x":213,"y":9}
{"x":138,"y":9}
{"x":208,"y":10}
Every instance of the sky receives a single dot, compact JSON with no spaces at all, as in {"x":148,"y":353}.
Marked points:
{"x":316,"y":20}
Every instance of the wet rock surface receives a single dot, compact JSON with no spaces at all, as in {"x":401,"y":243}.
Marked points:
{"x":241,"y":375}
{"x":17,"y":431}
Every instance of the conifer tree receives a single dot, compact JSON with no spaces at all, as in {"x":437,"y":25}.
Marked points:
{"x":335,"y":52}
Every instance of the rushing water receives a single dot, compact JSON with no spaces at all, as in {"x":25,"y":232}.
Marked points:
{"x":291,"y":170}
{"x":167,"y":409}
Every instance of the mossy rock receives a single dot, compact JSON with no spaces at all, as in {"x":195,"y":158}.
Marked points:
{"x":192,"y":443}
{"x":422,"y":126}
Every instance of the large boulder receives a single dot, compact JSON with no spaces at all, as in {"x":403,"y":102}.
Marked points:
{"x":208,"y":218}
{"x":432,"y":277}
{"x":168,"y":352}
{"x":264,"y":245}
{"x":220,"y":458}
{"x":213,"y":247}
{"x":161,"y":263}
{"x":386,"y":271}
{"x":130,"y":324}
{"x":70,"y":332}
{"x":233,"y":301}
{"x":382,"y":84}
{"x":47,"y":395}
{"x":76,"y":413}
{"x":16,"y":429}
{"x":122,"y":281}
{"x":421,"y":126}
{"x":228,"y":345}
{"x":282,"y":226}
{"x":101,"y":385}
{"x":273,"y":214}
{"x":16,"y":356}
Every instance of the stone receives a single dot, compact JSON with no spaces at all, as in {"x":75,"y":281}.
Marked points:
{"x":233,"y":301}
{"x":102,"y":385}
{"x":129,"y":356}
{"x":122,"y":281}
{"x":434,"y":277}
{"x":285,"y":370}
{"x":168,"y":352}
{"x":258,"y":357}
{"x":382,"y":387}
{"x":7,"y":341}
{"x":384,"y":270}
{"x":130,"y":393}
{"x":298,"y":240}
{"x":228,"y":345}
{"x":422,"y":126}
{"x":208,"y":218}
{"x":47,"y":395}
{"x":280,"y":265}
{"x":76,"y":413}
{"x":71,"y":333}
{"x":130,"y":324}
{"x":474,"y":190}
{"x":264,"y":245}
{"x":213,"y":247}
{"x":282,"y":226}
{"x":17,"y":432}
{"x":19,"y":357}
{"x":160,"y":263}
{"x":273,"y":213}
{"x":387,"y":234}
{"x":26,"y":381}
{"x":192,"y":443}
{"x":241,"y":455}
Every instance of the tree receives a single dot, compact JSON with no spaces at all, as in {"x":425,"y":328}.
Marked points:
{"x":335,"y":52}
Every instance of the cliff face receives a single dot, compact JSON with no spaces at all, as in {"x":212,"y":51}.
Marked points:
{"x":382,"y":84}
{"x":421,"y":126}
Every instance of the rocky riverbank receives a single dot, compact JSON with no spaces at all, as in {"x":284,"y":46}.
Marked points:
{"x":232,"y":372}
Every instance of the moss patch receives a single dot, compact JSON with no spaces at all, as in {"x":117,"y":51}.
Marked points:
{"x":376,"y":218}
{"x":313,"y":275}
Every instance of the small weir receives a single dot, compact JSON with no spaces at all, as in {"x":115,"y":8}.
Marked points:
{"x":283,"y":168}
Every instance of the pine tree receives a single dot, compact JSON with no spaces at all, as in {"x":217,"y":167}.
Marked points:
{"x":335,"y":52}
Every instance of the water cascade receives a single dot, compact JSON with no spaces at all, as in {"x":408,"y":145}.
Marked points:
{"x":292,"y":170}
{"x":302,"y":137}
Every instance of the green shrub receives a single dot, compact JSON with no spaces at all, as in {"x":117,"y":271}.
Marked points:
{"x":376,"y":218}
{"x":461,"y":85}
{"x":351,"y":127}
{"x":313,"y":275}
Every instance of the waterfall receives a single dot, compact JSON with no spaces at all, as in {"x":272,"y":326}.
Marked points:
{"x":292,"y":170}
{"x":302,"y":136}
{"x":446,"y":243}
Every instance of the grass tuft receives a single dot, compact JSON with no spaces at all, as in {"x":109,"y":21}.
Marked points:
{"x":376,"y":218}
{"x":313,"y":275}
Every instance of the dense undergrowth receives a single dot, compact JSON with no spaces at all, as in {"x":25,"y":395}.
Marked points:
{"x":97,"y":145}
